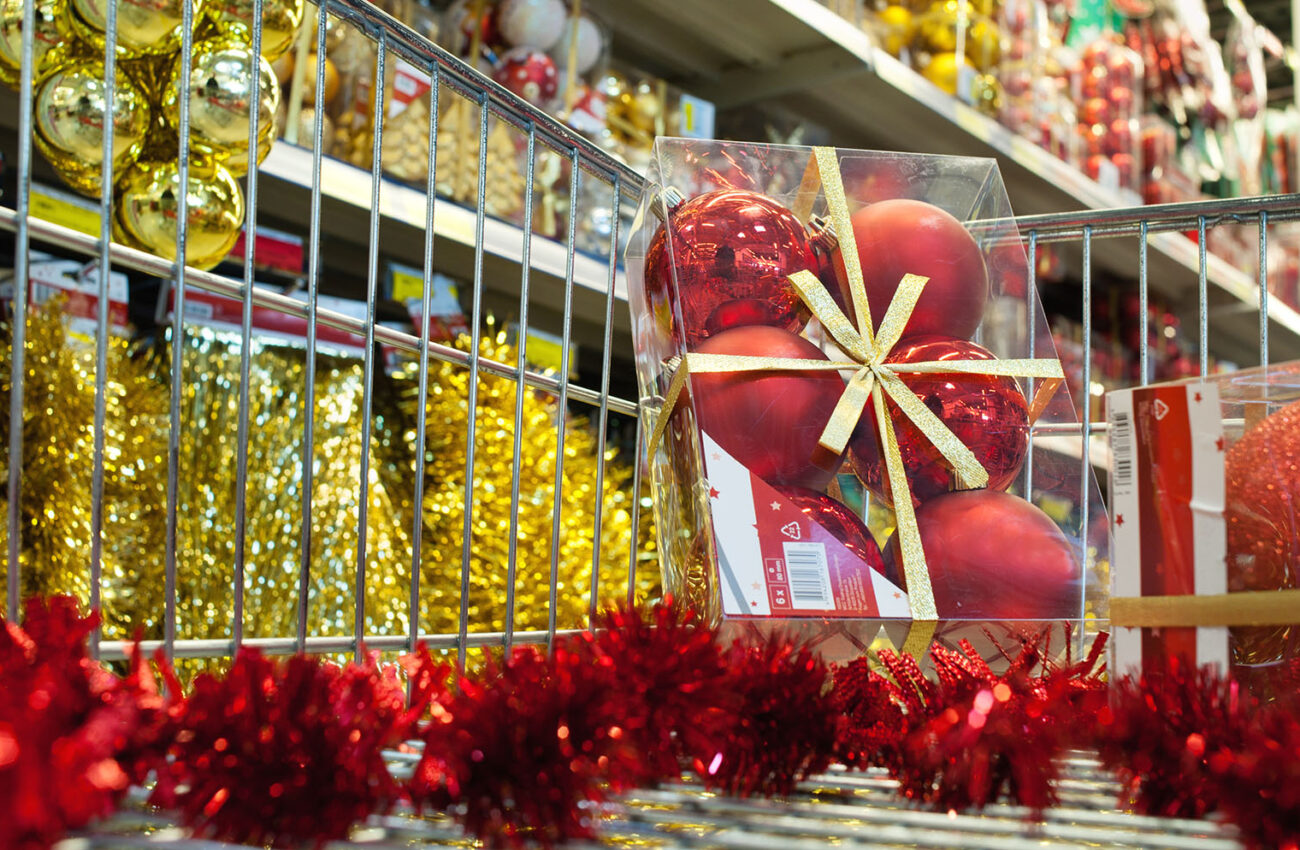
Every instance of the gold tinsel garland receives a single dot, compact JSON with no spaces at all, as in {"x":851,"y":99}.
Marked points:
{"x":59,"y":398}
{"x":444,"y":504}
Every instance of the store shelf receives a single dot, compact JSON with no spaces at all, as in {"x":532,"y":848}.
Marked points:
{"x":803,"y":58}
{"x":285,"y":188}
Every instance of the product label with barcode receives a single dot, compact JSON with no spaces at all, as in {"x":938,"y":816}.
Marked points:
{"x":775,"y":561}
{"x":1167,"y":499}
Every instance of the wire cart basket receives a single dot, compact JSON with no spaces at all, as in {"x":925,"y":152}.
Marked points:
{"x":573,"y":294}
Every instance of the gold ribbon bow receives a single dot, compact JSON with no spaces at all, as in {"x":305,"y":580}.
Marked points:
{"x":868,"y":351}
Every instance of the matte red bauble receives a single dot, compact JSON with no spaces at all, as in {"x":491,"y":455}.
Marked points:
{"x":1263,"y":495}
{"x":770,"y":421}
{"x":843,"y":524}
{"x":899,"y":237}
{"x":987,"y":413}
{"x":732,"y":251}
{"x":994,"y":556}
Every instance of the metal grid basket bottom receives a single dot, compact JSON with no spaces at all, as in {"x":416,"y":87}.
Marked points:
{"x":847,"y":809}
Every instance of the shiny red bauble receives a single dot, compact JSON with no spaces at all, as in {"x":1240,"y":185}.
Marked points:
{"x":843,"y":524}
{"x":1262,"y":474}
{"x":900,"y":237}
{"x":994,"y":556}
{"x":988,"y":413}
{"x":769,"y":421}
{"x":529,"y":73}
{"x":728,"y":263}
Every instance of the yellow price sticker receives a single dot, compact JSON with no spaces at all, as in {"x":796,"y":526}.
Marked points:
{"x":73,"y":214}
{"x":407,"y":285}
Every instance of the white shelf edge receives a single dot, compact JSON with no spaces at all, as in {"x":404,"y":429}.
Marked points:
{"x":351,"y":185}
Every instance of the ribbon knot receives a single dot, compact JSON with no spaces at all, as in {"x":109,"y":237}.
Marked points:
{"x":868,"y":351}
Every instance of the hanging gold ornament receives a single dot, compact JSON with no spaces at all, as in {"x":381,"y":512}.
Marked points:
{"x":446,"y":418}
{"x":144,"y":27}
{"x":944,"y":71}
{"x":147,"y":204}
{"x":983,"y":44}
{"x":50,"y":31}
{"x":280,"y":21}
{"x":237,"y":163}
{"x":222,"y":75}
{"x":895,"y":27}
{"x":69,"y":116}
{"x":58,"y":441}
{"x":936,"y":30}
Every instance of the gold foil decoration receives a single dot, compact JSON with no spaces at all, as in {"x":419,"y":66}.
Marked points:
{"x":446,"y":417}
{"x":58,"y":443}
{"x":867,"y":350}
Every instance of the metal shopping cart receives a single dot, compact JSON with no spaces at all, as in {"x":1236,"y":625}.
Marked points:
{"x":577,"y":295}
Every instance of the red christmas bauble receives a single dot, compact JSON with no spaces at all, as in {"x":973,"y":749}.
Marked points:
{"x":899,"y":237}
{"x":770,"y":421}
{"x":843,"y":524}
{"x":1262,"y":474}
{"x":988,"y":413}
{"x":529,"y":73}
{"x":994,"y":556}
{"x":732,"y":253}
{"x":1095,"y":110}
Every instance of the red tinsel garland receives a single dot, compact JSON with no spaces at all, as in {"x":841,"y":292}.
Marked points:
{"x":290,"y":752}
{"x":72,"y":735}
{"x":287,"y":752}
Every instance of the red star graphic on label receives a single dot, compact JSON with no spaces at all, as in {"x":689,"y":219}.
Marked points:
{"x":1218,"y":444}
{"x":1196,"y":397}
{"x":776,"y":506}
{"x":713,"y":492}
{"x":1119,"y":519}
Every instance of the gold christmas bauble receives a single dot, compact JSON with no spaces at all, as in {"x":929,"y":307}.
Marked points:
{"x":144,"y":27}
{"x":147,"y":204}
{"x":309,"y":81}
{"x":237,"y":163}
{"x":50,"y":30}
{"x":895,"y":23}
{"x":280,"y":21}
{"x":69,"y":113}
{"x":221,"y":87}
{"x":943,"y":71}
{"x":645,"y":107}
{"x":936,"y":31}
{"x":983,"y":44}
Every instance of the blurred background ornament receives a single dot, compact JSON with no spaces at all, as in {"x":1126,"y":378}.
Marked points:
{"x":532,"y":23}
{"x":147,"y":204}
{"x":222,"y":75}
{"x":280,"y":22}
{"x":69,"y":114}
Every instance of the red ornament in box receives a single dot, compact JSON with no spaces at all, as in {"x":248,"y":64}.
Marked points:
{"x":529,"y":73}
{"x":769,"y":421}
{"x":732,"y":252}
{"x":988,"y":413}
{"x":900,"y":237}
{"x":995,"y":556}
{"x":1262,"y":503}
{"x":843,"y":524}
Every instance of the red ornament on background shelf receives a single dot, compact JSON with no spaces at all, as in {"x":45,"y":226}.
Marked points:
{"x":994,"y":556}
{"x":1263,"y":496}
{"x":987,"y":413}
{"x":900,"y":237}
{"x":770,"y":421}
{"x":843,"y":524}
{"x":732,"y":253}
{"x":529,"y":73}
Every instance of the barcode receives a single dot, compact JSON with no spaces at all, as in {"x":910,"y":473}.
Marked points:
{"x":1121,"y":449}
{"x":810,"y":580}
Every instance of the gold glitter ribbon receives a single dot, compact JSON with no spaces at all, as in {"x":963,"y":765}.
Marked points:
{"x":868,"y":351}
{"x":1247,"y":608}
